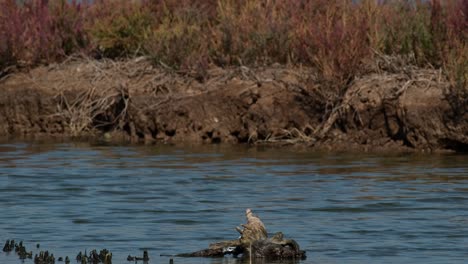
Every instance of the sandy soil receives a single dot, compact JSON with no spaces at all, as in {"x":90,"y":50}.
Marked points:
{"x":393,"y":110}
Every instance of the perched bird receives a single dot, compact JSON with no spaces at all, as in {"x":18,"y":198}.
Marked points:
{"x":253,"y":230}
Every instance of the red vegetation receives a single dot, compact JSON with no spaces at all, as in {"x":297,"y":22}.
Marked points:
{"x":337,"y":37}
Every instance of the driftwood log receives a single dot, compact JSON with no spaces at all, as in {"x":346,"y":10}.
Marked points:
{"x":253,"y":242}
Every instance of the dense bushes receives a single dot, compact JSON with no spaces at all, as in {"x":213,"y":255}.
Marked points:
{"x":337,"y":37}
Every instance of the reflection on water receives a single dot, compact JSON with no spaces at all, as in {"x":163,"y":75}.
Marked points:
{"x":340,"y":208}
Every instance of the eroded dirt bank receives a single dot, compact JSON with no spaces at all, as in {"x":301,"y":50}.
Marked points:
{"x":131,"y":100}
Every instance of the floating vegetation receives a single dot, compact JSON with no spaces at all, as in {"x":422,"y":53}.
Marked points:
{"x":104,"y":256}
{"x":44,"y":257}
{"x":135,"y":258}
{"x":19,"y":249}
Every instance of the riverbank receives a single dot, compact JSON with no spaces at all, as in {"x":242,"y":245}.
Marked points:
{"x":392,"y":109}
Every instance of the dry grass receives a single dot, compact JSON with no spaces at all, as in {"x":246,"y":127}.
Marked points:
{"x":90,"y":94}
{"x":83,"y":112}
{"x":288,"y":136}
{"x":96,"y":95}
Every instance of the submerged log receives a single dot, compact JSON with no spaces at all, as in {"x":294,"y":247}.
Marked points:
{"x":253,"y":242}
{"x":276,"y":247}
{"x":218,"y":249}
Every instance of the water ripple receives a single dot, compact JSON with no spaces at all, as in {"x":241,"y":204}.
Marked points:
{"x":340,"y":208}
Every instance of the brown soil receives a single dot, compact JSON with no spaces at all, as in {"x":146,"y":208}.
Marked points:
{"x":131,"y":100}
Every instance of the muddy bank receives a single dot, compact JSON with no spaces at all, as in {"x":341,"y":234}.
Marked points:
{"x":402,"y":110}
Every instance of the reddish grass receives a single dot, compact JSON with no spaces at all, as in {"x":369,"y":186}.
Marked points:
{"x":40,"y":31}
{"x":333,"y":36}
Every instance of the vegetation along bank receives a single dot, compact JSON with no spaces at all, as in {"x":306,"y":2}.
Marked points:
{"x":366,"y":75}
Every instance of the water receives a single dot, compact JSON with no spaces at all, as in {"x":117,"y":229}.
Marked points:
{"x":341,"y":208}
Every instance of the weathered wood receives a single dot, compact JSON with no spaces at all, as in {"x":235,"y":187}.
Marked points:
{"x":276,"y":248}
{"x":217,"y":249}
{"x":254,"y":229}
{"x":253,"y":242}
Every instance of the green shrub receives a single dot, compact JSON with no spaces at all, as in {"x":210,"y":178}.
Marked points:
{"x":68,"y":19}
{"x":119,"y":28}
{"x":177,"y":43}
{"x":253,"y":32}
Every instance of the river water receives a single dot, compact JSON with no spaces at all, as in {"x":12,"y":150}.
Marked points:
{"x":341,"y":208}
